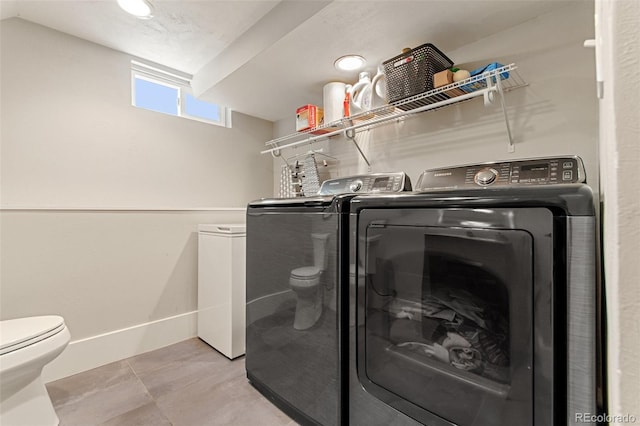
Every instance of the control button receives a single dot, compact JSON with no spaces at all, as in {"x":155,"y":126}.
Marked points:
{"x":567,"y":175}
{"x":355,"y":186}
{"x":567,"y":165}
{"x":486,"y":176}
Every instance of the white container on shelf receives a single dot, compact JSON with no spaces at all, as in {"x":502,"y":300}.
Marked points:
{"x":361,"y":94}
{"x":221,"y":287}
{"x":333,"y":101}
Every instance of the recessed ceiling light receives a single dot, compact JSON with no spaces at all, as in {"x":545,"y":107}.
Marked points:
{"x":139,"y":8}
{"x":349,"y":62}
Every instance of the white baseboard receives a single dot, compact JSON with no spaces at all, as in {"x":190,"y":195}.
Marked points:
{"x":85,"y":354}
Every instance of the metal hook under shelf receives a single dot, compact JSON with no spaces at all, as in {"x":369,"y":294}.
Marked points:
{"x":276,"y":153}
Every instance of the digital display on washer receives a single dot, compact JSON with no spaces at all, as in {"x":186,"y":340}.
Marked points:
{"x":534,"y":171}
{"x":380,"y":183}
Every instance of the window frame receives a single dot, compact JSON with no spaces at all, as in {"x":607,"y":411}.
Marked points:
{"x":181,"y":84}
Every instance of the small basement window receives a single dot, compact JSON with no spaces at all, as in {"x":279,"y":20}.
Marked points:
{"x":168,"y":92}
{"x":155,"y":96}
{"x":195,"y":108}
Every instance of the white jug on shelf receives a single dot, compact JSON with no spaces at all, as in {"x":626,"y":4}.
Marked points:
{"x":379,"y":90}
{"x":361,"y":94}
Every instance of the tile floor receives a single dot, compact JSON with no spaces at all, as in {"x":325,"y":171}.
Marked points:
{"x":186,"y":384}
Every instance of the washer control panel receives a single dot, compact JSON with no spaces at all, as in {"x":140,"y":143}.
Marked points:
{"x":362,"y":184}
{"x":540,"y":171}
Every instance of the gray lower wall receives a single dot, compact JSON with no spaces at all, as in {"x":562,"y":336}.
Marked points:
{"x":102,"y":270}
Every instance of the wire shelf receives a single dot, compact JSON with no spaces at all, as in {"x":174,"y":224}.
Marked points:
{"x":499,"y":80}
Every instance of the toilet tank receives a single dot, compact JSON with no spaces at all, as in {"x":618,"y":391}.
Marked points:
{"x":320,"y":250}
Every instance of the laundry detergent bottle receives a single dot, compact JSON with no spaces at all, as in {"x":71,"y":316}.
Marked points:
{"x":379,"y":89}
{"x":361,"y":93}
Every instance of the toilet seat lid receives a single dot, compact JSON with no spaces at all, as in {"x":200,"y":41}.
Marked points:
{"x":306,"y":272}
{"x":20,"y":332}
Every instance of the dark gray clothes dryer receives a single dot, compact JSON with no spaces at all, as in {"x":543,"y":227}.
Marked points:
{"x":476,"y":298}
{"x":295,"y":350}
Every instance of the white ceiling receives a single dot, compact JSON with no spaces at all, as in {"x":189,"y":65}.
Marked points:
{"x":266,"y":58}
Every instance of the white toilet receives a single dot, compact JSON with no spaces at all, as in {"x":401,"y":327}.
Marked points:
{"x":26,"y":346}
{"x":305,"y":282}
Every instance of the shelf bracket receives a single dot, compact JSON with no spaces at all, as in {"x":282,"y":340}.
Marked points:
{"x":351,"y":134}
{"x":510,"y":147}
{"x":489,"y":95}
{"x":494,"y":86}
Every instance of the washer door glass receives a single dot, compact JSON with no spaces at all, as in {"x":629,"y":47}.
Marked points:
{"x":448,"y":321}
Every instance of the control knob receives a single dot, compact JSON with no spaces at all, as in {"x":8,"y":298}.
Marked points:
{"x":486,"y":176}
{"x":355,"y":186}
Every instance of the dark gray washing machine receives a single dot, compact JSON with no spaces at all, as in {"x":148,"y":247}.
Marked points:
{"x":476,"y":298}
{"x":295,"y":350}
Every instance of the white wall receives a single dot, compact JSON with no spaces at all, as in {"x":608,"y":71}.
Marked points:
{"x":71,"y":137}
{"x":100,"y":200}
{"x":556,"y":114}
{"x":620,"y":151}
